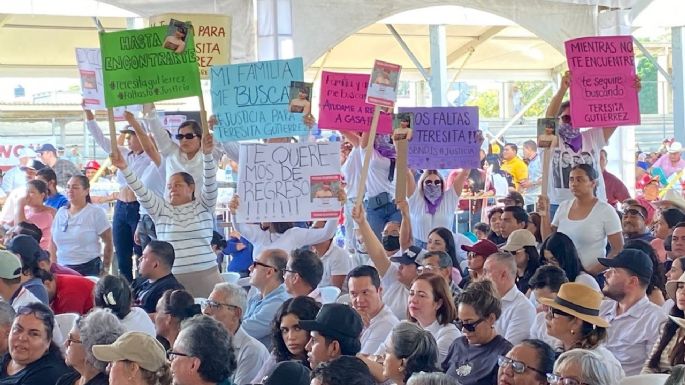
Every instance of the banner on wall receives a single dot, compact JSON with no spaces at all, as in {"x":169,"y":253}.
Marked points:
{"x":148,"y":65}
{"x":288,"y":182}
{"x":212,"y":37}
{"x":603,"y":81}
{"x":252,"y":100}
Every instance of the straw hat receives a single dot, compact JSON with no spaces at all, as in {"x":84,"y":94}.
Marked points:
{"x":672,"y":286}
{"x":671,"y":197}
{"x":578,"y":300}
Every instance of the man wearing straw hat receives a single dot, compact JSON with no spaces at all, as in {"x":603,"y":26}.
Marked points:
{"x":634,"y":321}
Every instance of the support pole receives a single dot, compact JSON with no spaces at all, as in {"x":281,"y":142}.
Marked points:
{"x":438,"y":78}
{"x":677,"y":40}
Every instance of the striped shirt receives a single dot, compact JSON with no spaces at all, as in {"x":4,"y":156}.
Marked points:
{"x":187,"y":227}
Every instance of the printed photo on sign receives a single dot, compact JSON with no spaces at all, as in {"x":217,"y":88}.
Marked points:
{"x":89,"y":80}
{"x":403,"y":123}
{"x":563,"y":160}
{"x":176,"y":36}
{"x":324,"y":188}
{"x":547,"y":132}
{"x":383,"y":86}
{"x":300,"y":98}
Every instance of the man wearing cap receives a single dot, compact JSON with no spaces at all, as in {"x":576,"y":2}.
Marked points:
{"x":226,"y":304}
{"x":476,"y":256}
{"x":513,"y":218}
{"x":127,"y":208}
{"x":440,"y":263}
{"x":397,"y":272}
{"x":513,"y":164}
{"x":512,"y":199}
{"x":63,"y":168}
{"x":16,"y":177}
{"x":634,"y":321}
{"x":334,"y":332}
{"x":671,"y":162}
{"x":518,"y":313}
{"x":10,"y":281}
{"x":634,"y":224}
{"x":365,"y":297}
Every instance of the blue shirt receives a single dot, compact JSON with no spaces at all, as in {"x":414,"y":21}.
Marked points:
{"x":534,"y":176}
{"x":260,"y":313}
{"x":56,"y":201}
{"x":241,"y":260}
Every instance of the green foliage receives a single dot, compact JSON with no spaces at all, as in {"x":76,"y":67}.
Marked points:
{"x":649,"y":95}
{"x":487,"y":103}
{"x":528,"y":91}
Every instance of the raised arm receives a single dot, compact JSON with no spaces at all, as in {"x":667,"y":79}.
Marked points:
{"x":96,"y":132}
{"x":458,"y":184}
{"x":558,"y":98}
{"x":373,"y":245}
{"x":145,"y":141}
{"x":351,"y":137}
{"x":165,"y":145}
{"x":153,"y":203}
{"x":406,"y":235}
{"x":210,"y":189}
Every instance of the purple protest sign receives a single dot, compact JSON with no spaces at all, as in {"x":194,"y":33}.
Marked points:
{"x":444,"y":137}
{"x":343,"y":106}
{"x":603,"y":81}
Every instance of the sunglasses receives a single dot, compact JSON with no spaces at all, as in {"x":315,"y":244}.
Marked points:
{"x":635,"y":212}
{"x":257,"y":263}
{"x":187,"y":136}
{"x":518,"y":366}
{"x":170,"y":354}
{"x":469,"y":327}
{"x":565,"y":119}
{"x":553,"y":313}
{"x":430,"y":182}
{"x":555,"y":379}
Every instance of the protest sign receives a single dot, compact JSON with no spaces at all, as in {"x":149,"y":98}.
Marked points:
{"x":444,"y":137}
{"x":212,"y":37}
{"x":10,"y":147}
{"x":89,"y":62}
{"x":343,"y":106}
{"x":603,"y":81}
{"x":383,"y":86}
{"x":286,"y":182}
{"x":138,"y":69}
{"x":250,"y":100}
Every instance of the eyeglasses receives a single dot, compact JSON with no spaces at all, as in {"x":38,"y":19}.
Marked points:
{"x":469,"y":327}
{"x":518,"y":366}
{"x":427,"y":268}
{"x":170,"y":354}
{"x":187,"y":136}
{"x":214,"y":305}
{"x":555,"y":379}
{"x":565,"y":119}
{"x":552,"y":313}
{"x":430,"y":182}
{"x":635,"y":212}
{"x":73,"y":341}
{"x":257,"y":263}
{"x":290,"y":271}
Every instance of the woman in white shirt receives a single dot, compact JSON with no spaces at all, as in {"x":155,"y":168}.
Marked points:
{"x":588,"y":221}
{"x":185,"y":220}
{"x":78,"y":229}
{"x":432,"y":204}
{"x":114,"y":293}
{"x":558,"y":250}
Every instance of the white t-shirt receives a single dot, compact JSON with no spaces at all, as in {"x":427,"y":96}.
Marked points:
{"x":517,"y":316}
{"x":377,"y":181}
{"x":422,"y":222}
{"x":564,"y":158}
{"x":351,"y":171}
{"x":395,"y":294}
{"x":137,"y":320}
{"x":539,"y":331}
{"x":80,"y":242}
{"x":336,"y":261}
{"x":380,"y":327}
{"x":588,"y":234}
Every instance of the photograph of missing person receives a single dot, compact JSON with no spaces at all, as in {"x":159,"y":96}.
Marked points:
{"x":176,"y":36}
{"x":402,"y":125}
{"x":564,"y":159}
{"x":89,"y":80}
{"x":324,"y":187}
{"x":383,"y":85}
{"x":547,"y":132}
{"x":300,"y":98}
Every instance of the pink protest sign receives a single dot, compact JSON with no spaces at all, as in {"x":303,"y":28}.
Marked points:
{"x":342,"y":104}
{"x":603,"y":92}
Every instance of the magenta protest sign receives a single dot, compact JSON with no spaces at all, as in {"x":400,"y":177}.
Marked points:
{"x":444,"y":137}
{"x":343,"y":106}
{"x":603,"y":81}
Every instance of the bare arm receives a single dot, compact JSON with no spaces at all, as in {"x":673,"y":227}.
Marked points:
{"x":411,"y":183}
{"x":406,"y":236}
{"x":351,"y":137}
{"x":546,"y":228}
{"x":458,"y":184}
{"x":53,"y":252}
{"x":106,"y":237}
{"x":557,"y":99}
{"x":373,"y":245}
{"x":20,"y":215}
{"x":145,"y":140}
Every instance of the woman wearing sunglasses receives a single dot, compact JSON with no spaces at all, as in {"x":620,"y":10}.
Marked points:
{"x":33,"y":357}
{"x":185,"y":219}
{"x":573,"y":318}
{"x":472,"y":359}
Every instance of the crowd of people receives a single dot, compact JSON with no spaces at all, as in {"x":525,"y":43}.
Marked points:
{"x":474,"y":279}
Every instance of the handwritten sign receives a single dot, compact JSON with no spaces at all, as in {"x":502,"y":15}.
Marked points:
{"x":250,"y":101}
{"x":137,"y":69}
{"x":343,"y":106}
{"x":444,"y":137}
{"x":212,"y":37}
{"x":602,"y":81}
{"x":285,"y":182}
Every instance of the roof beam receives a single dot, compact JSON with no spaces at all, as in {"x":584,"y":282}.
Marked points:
{"x":409,"y":52}
{"x":4,"y":19}
{"x":464,"y":49}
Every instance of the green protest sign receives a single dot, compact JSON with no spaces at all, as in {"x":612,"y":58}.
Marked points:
{"x":147,"y":65}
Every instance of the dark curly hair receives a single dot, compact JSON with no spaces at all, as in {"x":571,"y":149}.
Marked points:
{"x":304,"y":308}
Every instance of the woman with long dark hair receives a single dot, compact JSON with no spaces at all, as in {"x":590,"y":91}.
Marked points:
{"x":522,"y":244}
{"x":669,"y":350}
{"x":114,"y":293}
{"x":558,"y":250}
{"x":31,"y":208}
{"x":174,"y":307}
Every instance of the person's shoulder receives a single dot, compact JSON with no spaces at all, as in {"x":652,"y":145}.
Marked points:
{"x":502,"y":344}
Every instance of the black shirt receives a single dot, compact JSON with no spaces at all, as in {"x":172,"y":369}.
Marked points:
{"x":496,"y":239}
{"x":72,"y":377}
{"x":45,"y":371}
{"x":475,"y":364}
{"x":147,"y":293}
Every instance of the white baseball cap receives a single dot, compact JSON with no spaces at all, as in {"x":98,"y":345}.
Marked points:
{"x":26,"y":152}
{"x":675,"y":147}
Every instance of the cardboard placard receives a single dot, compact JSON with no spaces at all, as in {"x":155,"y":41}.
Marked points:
{"x":286,"y":182}
{"x":343,"y":106}
{"x":603,"y":81}
{"x":250,"y":100}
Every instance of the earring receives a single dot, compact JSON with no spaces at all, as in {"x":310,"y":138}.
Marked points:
{"x":573,"y":332}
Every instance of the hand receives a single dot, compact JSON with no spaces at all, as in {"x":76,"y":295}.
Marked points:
{"x":148,"y":107}
{"x":233,"y":206}
{"x":525,"y":183}
{"x":638,"y":83}
{"x":212,"y":122}
{"x":136,"y":237}
{"x":118,"y":160}
{"x":479,"y":137}
{"x":130,"y":118}
{"x":403,"y":206}
{"x":309,"y":120}
{"x":342,"y":196}
{"x":234,"y":234}
{"x":358,"y":214}
{"x":543,"y":205}
{"x":566,"y":80}
{"x":401,"y":134}
{"x":89,"y":113}
{"x":207,"y":143}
